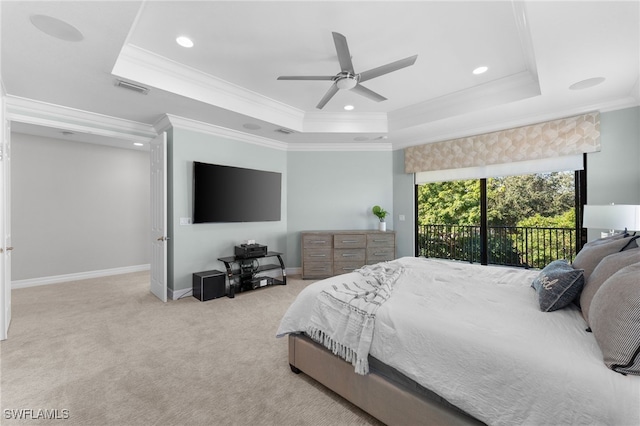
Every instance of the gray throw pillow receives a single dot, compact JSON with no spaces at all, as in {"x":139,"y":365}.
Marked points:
{"x":557,"y":285}
{"x":615,"y":320}
{"x":606,"y":268}
{"x":593,"y":252}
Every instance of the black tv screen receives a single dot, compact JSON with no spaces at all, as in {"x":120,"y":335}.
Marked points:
{"x":234,"y":194}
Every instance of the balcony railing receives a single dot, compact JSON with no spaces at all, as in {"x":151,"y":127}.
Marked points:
{"x":507,"y":245}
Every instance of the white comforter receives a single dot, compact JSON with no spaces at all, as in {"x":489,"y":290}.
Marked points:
{"x":475,"y":335}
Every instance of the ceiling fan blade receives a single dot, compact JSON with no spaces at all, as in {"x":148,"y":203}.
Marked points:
{"x":344,"y":57}
{"x":367,"y":93}
{"x":306,"y":77}
{"x":330,"y":93}
{"x":385,"y":69}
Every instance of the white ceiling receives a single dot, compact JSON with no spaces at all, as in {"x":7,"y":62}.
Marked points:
{"x":534,"y":50}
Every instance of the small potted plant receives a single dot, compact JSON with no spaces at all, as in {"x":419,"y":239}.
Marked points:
{"x":381,"y":214}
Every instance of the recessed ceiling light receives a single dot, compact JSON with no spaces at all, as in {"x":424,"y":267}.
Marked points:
{"x":480,"y":70}
{"x":56,"y":28}
{"x":349,"y":107}
{"x":66,"y":133}
{"x":184,"y":41}
{"x":138,"y":144}
{"x":585,"y":84}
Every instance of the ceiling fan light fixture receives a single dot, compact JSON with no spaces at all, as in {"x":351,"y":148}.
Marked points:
{"x":346,"y":83}
{"x":349,"y":107}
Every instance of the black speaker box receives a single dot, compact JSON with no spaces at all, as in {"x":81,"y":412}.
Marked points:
{"x":209,"y":285}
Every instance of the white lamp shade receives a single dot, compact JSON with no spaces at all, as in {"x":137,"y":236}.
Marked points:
{"x":612,"y":216}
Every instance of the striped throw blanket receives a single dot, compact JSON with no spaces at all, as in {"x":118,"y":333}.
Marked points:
{"x":344,"y":315}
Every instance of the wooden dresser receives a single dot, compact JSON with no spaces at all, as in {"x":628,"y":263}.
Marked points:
{"x":329,"y":253}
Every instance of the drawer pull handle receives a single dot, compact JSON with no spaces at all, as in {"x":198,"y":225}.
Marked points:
{"x":318,"y":242}
{"x":349,"y":241}
{"x":349,"y":269}
{"x":379,"y":254}
{"x":318,"y":255}
{"x":379,"y":241}
{"x":349,"y":254}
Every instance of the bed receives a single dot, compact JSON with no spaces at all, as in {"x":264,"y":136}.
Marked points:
{"x":458,"y":343}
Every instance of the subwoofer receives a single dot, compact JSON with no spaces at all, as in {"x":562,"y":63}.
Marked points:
{"x":209,"y":285}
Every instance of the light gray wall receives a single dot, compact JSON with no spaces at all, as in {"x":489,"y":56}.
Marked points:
{"x":196,"y":248}
{"x":613,"y":174}
{"x":77,"y":207}
{"x":404,"y":204}
{"x":336,"y":190}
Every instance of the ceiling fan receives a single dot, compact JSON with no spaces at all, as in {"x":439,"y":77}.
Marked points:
{"x":347,"y":79}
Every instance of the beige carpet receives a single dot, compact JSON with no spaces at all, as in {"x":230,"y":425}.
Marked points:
{"x":110,"y":353}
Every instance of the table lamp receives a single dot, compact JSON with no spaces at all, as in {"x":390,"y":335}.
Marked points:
{"x":612,"y":217}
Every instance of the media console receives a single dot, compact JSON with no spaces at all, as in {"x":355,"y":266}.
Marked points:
{"x":248,"y":273}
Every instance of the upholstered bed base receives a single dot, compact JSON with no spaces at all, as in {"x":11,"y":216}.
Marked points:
{"x":385,"y":400}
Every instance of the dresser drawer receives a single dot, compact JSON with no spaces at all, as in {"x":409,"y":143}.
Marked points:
{"x":317,"y":269}
{"x":380,"y":254}
{"x":317,"y":255}
{"x":328,"y":253}
{"x":349,"y":241}
{"x":317,"y":241}
{"x":345,"y":267}
{"x":349,"y":255}
{"x":381,"y":240}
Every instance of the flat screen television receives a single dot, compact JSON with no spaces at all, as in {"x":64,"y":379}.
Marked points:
{"x":234,"y":194}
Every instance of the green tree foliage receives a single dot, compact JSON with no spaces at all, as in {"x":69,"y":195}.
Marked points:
{"x":543,"y":200}
{"x":449,"y":203}
{"x":564,"y":220}
{"x":510,"y":199}
{"x":515,"y":198}
{"x":542,"y":239}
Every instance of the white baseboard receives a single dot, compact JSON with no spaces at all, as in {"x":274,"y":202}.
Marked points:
{"x":294,"y":271}
{"x":56,"y":279}
{"x":179,"y":294}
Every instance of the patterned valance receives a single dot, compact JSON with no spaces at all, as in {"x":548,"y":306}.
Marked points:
{"x":566,"y":136}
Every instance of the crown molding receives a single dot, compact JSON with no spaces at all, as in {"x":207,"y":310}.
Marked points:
{"x":341,"y":147}
{"x":174,"y":121}
{"x":39,"y":113}
{"x":509,"y":89}
{"x":146,"y":67}
{"x":200,"y":127}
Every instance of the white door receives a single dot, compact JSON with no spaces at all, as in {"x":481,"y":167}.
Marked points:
{"x":159,"y":216}
{"x":5,"y":224}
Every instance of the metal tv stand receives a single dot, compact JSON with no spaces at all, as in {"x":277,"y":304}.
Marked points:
{"x":247,"y":273}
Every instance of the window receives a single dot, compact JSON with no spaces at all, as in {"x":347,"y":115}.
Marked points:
{"x":527,"y":220}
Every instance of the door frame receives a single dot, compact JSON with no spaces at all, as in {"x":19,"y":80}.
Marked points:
{"x":5,"y":218}
{"x":158,"y":213}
